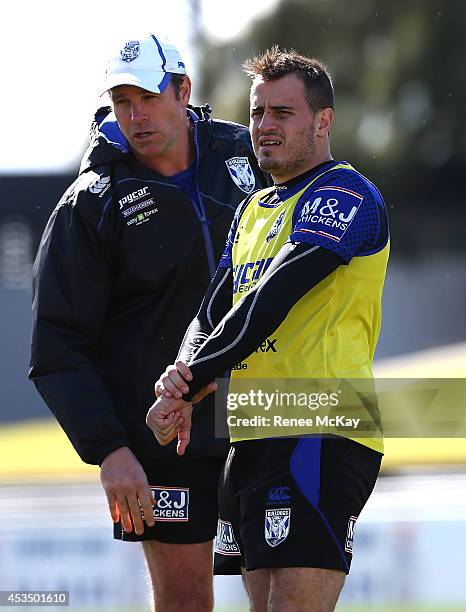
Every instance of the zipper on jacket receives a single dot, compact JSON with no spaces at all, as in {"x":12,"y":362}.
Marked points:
{"x":201,"y":214}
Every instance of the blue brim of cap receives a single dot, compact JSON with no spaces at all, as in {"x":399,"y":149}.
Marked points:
{"x":150,"y":80}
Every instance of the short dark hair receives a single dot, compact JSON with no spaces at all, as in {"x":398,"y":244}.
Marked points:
{"x":176,"y":81}
{"x":275,"y":63}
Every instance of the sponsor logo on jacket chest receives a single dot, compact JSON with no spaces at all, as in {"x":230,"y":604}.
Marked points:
{"x":133,"y":196}
{"x":140,"y":212}
{"x":142,"y":217}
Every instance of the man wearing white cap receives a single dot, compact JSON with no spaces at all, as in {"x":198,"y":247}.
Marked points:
{"x":121,"y":270}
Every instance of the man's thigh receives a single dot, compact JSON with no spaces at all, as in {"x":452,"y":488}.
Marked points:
{"x":186,"y":503}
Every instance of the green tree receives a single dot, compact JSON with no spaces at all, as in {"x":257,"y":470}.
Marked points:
{"x":398,"y":70}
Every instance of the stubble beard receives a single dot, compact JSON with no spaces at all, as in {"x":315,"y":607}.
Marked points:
{"x":301,"y":152}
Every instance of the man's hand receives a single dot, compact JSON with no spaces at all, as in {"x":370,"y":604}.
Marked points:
{"x":172,"y":383}
{"x":169,"y":418}
{"x":127,"y":489}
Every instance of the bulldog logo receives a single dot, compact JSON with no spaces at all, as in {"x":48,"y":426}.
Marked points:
{"x":277,"y":525}
{"x":241,"y":172}
{"x":130,"y":51}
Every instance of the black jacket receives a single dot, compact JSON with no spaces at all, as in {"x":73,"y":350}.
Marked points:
{"x":121,"y":270}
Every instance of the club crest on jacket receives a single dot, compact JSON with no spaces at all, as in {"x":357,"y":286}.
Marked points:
{"x":241,"y":172}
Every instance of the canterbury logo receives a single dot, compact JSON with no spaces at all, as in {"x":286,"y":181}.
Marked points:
{"x":279,"y":494}
{"x":100,"y":184}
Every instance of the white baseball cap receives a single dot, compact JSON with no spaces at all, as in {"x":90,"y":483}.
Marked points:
{"x":147,"y":63}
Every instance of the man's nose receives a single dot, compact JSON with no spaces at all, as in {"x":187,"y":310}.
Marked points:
{"x":267,"y":121}
{"x":138,"y":113}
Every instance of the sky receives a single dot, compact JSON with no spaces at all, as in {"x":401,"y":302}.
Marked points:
{"x":54,"y":57}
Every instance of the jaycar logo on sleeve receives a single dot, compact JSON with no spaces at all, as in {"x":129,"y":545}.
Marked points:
{"x":171,"y":504}
{"x":329,"y":212}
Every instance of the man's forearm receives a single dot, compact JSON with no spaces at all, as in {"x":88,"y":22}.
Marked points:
{"x":296,"y":269}
{"x":215,"y":305}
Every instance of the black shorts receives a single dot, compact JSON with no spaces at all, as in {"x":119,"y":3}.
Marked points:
{"x":292,"y":502}
{"x":186,"y":511}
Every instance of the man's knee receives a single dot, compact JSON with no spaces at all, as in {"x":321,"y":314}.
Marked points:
{"x":184,"y":596}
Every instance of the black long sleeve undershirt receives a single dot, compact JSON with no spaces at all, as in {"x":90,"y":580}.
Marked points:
{"x":295,"y":270}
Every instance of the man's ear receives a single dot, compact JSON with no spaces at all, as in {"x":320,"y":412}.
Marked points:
{"x":324,"y":119}
{"x":185,"y":90}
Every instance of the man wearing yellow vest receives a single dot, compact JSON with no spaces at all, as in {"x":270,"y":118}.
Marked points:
{"x":297,"y":295}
